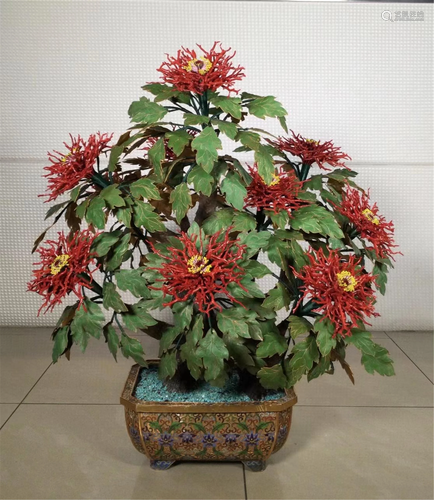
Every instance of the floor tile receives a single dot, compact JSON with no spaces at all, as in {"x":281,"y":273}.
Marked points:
{"x":351,"y":453}
{"x":409,"y":387}
{"x":25,"y":330}
{"x":419,"y":348}
{"x":83,"y":451}
{"x":379,"y":335}
{"x":92,"y":377}
{"x":23,"y":359}
{"x":6,"y":411}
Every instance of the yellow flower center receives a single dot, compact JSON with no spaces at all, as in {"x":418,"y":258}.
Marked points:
{"x":347,"y":281}
{"x":67,"y":155}
{"x":201,"y":66}
{"x":198,"y":264}
{"x":274,"y":182}
{"x":59,"y":263}
{"x":312,"y":141}
{"x":371,"y":217}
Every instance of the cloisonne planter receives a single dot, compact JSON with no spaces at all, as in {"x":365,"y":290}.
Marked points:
{"x":167,"y":432}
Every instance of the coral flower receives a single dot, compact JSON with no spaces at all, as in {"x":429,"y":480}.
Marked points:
{"x":280,"y":194}
{"x":200,"y":271}
{"x":213,"y":70}
{"x":64,"y":268}
{"x":371,"y":226}
{"x":311,"y":151}
{"x":67,"y":170}
{"x":341,"y":289}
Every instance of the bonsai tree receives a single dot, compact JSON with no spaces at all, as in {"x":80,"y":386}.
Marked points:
{"x":184,"y":226}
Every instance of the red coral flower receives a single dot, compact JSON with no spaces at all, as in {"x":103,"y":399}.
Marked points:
{"x":201,"y":271}
{"x":311,"y":151}
{"x":371,"y":226}
{"x":341,"y":288}
{"x":190,"y":72}
{"x":281,"y":194}
{"x":67,"y":170}
{"x":63,"y":268}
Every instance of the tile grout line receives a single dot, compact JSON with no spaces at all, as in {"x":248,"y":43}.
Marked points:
{"x":423,"y":373}
{"x":244,"y":480}
{"x":298,"y":405}
{"x":31,"y":389}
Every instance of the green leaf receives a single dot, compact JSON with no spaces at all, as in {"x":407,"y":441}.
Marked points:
{"x":319,"y":368}
{"x":363,"y":341}
{"x":81,"y":209}
{"x":87,"y":322}
{"x":304,"y":354}
{"x":380,"y":271}
{"x":298,"y":326}
{"x":118,"y":254}
{"x":316,"y":219}
{"x":324,"y":339}
{"x":254,"y":241}
{"x":132,"y":280}
{"x":243,"y":222}
{"x":188,"y":349}
{"x":228,"y":128}
{"x":103,"y":242}
{"x":168,"y":338}
{"x":277,"y":299}
{"x":145,"y":216}
{"x":55,"y":208}
{"x":137,"y":317}
{"x":255,"y":268}
{"x":60,"y":343}
{"x":156,"y":154}
{"x":124,"y":216}
{"x":335,"y":243}
{"x":280,"y":219}
{"x":314,"y":183}
{"x":238,"y":351}
{"x":112,"y":339}
{"x":234,"y":190}
{"x":213,"y":351}
{"x":112,"y":195}
{"x":380,"y":362}
{"x":182,"y":312}
{"x":265,"y":164}
{"x":95,"y":214}
{"x":250,"y":140}
{"x":115,"y":154}
{"x":112,"y":299}
{"x":180,"y":199}
{"x":146,"y":111}
{"x":178,"y":140}
{"x":167,"y":366}
{"x":132,"y":348}
{"x":229,"y":322}
{"x":283,"y":124}
{"x":266,"y":106}
{"x":219,"y":220}
{"x":273,"y":343}
{"x":230,"y":105}
{"x":206,"y":145}
{"x":272,"y":377}
{"x":201,"y":180}
{"x":145,"y":188}
{"x":192,"y":119}
{"x":251,"y":289}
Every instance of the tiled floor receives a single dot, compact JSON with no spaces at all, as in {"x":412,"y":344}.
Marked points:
{"x":63,"y":432}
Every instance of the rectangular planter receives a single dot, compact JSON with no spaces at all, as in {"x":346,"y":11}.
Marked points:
{"x":168,"y":432}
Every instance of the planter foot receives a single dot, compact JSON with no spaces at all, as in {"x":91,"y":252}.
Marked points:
{"x":161,"y":464}
{"x":255,"y":465}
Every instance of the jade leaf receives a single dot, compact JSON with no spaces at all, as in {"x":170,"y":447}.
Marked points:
{"x":206,"y":145}
{"x":95,"y":214}
{"x":234,"y":190}
{"x":230,"y":105}
{"x":145,"y":188}
{"x":266,"y":106}
{"x":213,"y":351}
{"x":178,"y":140}
{"x":60,"y":343}
{"x":201,"y":180}
{"x":272,"y":377}
{"x":146,"y":111}
{"x":180,"y":199}
{"x":132,"y":280}
{"x":112,"y":339}
{"x":112,"y":195}
{"x":112,"y":299}
{"x":132,"y":348}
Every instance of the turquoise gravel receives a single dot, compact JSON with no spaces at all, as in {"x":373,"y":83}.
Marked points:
{"x":151,"y":388}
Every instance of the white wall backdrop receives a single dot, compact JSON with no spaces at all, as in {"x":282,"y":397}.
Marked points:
{"x":341,"y":71}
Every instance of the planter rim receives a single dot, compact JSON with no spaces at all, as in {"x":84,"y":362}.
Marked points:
{"x":130,"y":401}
